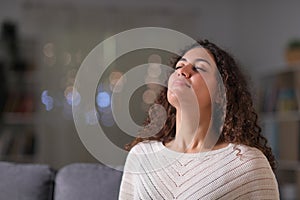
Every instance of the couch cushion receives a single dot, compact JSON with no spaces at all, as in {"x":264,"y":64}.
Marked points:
{"x":26,"y":181}
{"x":88,"y":182}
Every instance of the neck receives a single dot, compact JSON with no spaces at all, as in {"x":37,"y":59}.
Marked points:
{"x":191,"y":129}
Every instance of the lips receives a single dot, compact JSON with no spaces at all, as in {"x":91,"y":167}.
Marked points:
{"x":180,"y":83}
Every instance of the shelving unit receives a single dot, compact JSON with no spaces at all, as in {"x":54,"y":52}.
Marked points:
{"x":279,"y":106}
{"x":18,"y":96}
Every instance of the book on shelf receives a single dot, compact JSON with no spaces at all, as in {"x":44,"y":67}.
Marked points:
{"x":19,"y":103}
{"x":279,"y":99}
{"x":29,"y":143}
{"x":267,"y":95}
{"x":297,"y":87}
{"x":17,"y":144}
{"x":6,"y":138}
{"x":287,"y":100}
{"x":280,"y":93}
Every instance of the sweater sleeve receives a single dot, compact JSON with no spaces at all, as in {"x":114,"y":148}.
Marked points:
{"x":127,"y":189}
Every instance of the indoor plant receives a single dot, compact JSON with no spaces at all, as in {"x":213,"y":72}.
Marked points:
{"x":293,"y":52}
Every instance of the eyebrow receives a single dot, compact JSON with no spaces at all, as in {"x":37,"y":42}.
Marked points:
{"x":197,"y":60}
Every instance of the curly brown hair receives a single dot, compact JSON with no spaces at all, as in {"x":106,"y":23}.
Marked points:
{"x":241,"y":120}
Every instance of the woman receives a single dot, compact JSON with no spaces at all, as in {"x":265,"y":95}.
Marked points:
{"x":195,"y":155}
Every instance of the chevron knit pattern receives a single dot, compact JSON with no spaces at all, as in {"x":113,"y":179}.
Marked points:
{"x":153,"y":171}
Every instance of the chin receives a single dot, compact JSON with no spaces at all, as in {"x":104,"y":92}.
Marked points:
{"x":172,"y":99}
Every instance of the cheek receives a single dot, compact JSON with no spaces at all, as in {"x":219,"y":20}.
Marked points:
{"x":203,"y":95}
{"x":205,"y":90}
{"x":213,"y":87}
{"x":171,"y":79}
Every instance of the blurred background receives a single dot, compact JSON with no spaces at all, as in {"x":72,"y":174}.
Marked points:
{"x":43,"y":43}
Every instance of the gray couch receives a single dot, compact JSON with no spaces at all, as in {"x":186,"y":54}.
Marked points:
{"x":72,"y":182}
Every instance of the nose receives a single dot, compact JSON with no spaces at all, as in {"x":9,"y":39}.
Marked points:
{"x":185,"y":71}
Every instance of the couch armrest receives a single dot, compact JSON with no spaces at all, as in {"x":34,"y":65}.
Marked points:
{"x":88,"y":182}
{"x":26,"y":181}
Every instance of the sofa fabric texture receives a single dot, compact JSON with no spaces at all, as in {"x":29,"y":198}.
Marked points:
{"x":72,"y":182}
{"x":26,"y":181}
{"x":87,"y":181}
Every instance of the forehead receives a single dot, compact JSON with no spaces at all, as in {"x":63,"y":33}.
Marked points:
{"x":198,"y":52}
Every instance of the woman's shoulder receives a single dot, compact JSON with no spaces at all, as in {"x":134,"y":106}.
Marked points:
{"x":141,"y":154}
{"x":250,"y":158}
{"x":248,"y":152}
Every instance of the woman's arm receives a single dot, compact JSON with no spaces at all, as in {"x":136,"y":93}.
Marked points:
{"x":128,"y":183}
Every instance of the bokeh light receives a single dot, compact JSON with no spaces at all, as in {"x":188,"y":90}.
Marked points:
{"x":114,"y":77}
{"x":151,"y":81}
{"x":154,"y":58}
{"x":47,"y":100}
{"x":72,"y":96}
{"x":48,"y":50}
{"x":154,"y":70}
{"x":50,"y":61}
{"x":91,"y":117}
{"x":149,"y":96}
{"x":103,"y":99}
{"x":116,"y":80}
{"x":67,"y":58}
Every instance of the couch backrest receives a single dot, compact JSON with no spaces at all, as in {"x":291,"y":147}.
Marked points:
{"x":26,"y":181}
{"x":88,"y":182}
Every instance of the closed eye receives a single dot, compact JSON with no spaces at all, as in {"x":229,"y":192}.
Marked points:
{"x":195,"y":68}
{"x":178,"y":67}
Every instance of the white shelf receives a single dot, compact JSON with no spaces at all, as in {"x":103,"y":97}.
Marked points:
{"x":18,"y":158}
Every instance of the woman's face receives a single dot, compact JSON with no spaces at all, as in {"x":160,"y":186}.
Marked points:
{"x":194,"y":80}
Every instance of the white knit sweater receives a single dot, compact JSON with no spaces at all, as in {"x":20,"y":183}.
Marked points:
{"x":153,"y":171}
